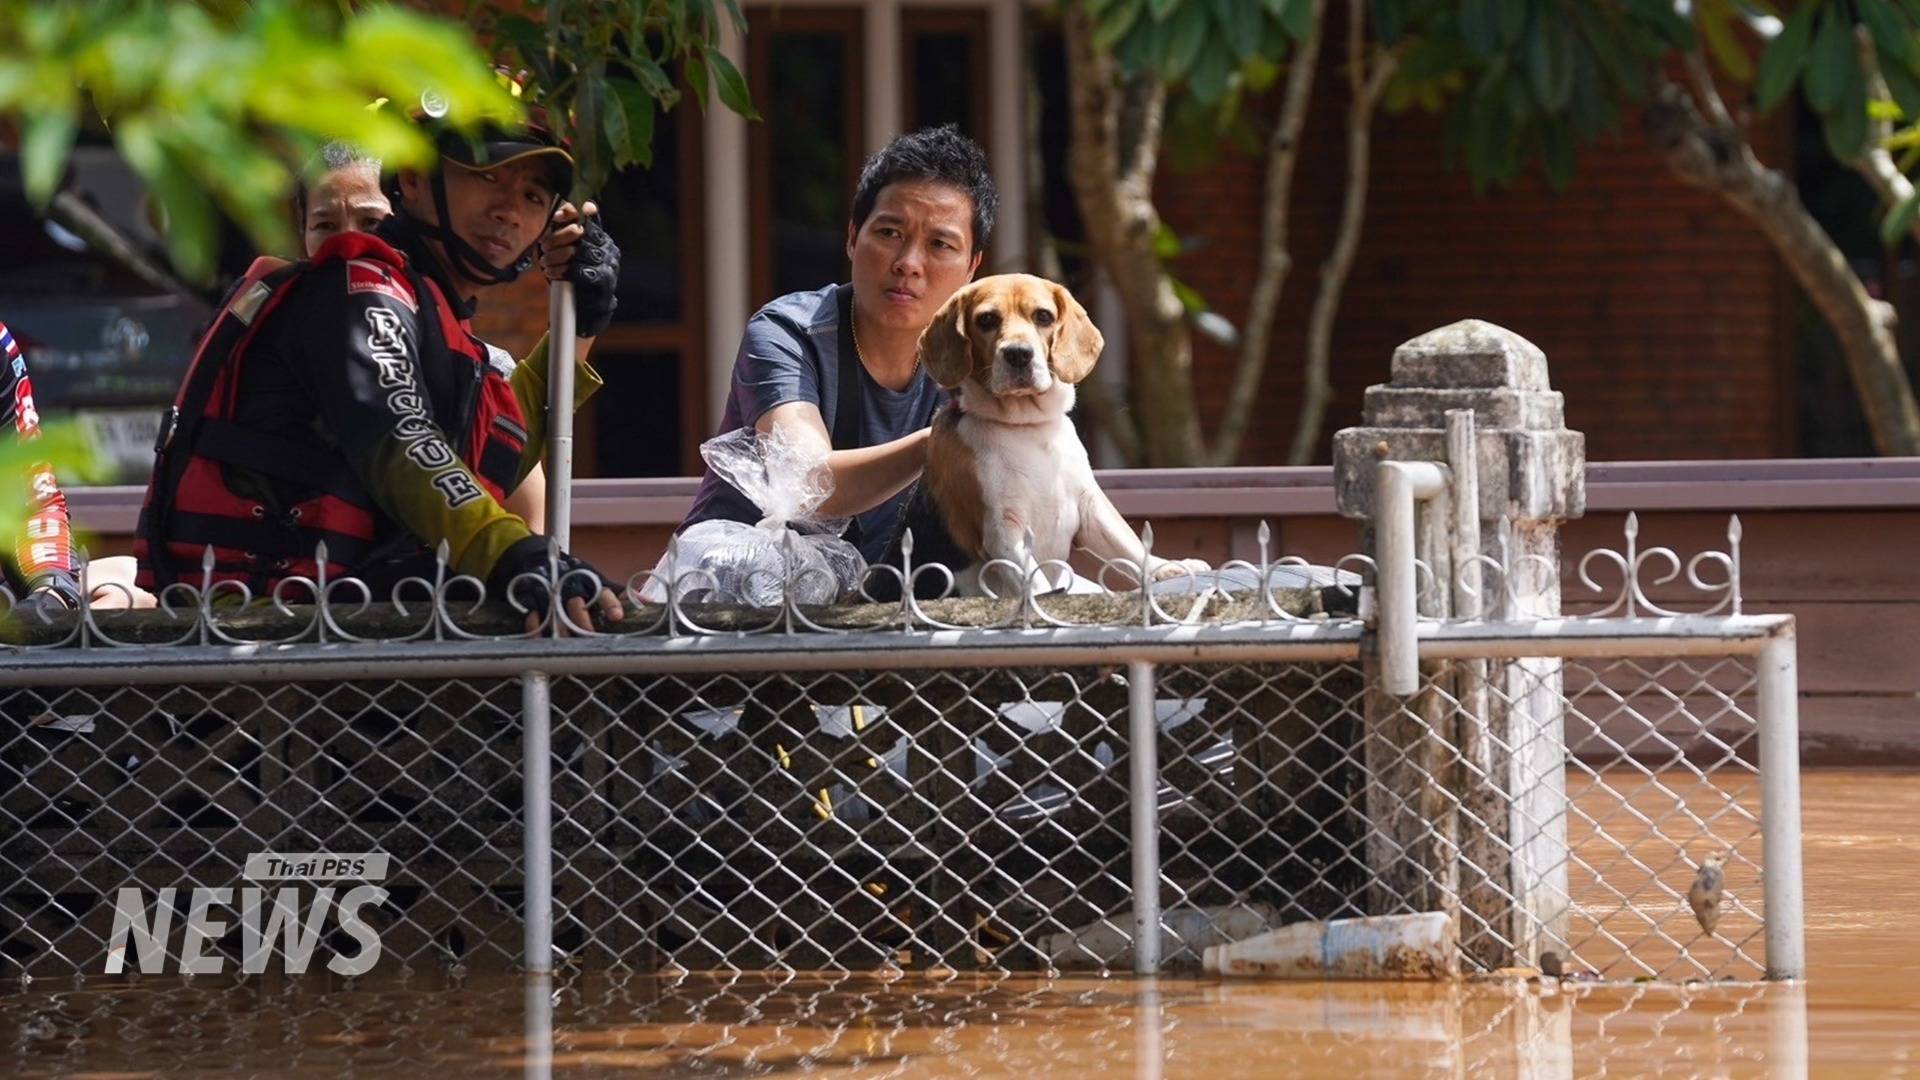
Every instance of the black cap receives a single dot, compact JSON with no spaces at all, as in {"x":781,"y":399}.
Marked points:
{"x":493,"y":148}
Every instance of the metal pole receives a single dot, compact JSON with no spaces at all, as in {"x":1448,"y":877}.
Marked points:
{"x":536,"y":785}
{"x":1779,"y":691}
{"x":1143,"y":733}
{"x":1397,"y":485}
{"x":560,"y":363}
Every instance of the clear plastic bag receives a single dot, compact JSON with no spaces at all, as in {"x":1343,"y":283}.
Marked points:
{"x":748,"y":563}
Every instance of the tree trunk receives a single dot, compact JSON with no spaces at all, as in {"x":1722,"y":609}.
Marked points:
{"x":1365,"y":84}
{"x":1276,"y":259}
{"x":1716,"y":157}
{"x":1111,"y":165}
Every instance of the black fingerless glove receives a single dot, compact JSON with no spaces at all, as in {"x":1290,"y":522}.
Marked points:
{"x":595,"y":273}
{"x":529,"y":557}
{"x":50,"y":594}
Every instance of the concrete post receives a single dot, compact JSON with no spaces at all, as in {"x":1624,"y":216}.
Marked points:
{"x":1467,"y":806}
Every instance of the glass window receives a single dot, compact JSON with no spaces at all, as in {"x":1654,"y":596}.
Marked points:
{"x":805,"y":102}
{"x":642,"y":211}
{"x":947,"y":70}
{"x":637,"y":413}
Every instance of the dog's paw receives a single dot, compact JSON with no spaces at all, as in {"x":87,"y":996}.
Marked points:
{"x":1179,"y":568}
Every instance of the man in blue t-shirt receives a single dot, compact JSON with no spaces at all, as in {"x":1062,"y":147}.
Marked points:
{"x":839,"y":366}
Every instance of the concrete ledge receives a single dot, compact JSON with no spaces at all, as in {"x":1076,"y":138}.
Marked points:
{"x":1773,"y":484}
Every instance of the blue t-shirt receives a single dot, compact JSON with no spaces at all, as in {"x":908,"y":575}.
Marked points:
{"x":793,"y":350}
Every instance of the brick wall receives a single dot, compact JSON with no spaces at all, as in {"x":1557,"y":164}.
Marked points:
{"x":1658,"y":308}
{"x":514,"y":316}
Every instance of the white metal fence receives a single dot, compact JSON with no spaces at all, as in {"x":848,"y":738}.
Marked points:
{"x":1110,"y":782}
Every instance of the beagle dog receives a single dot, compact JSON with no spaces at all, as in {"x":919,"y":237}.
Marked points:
{"x":1004,"y":460}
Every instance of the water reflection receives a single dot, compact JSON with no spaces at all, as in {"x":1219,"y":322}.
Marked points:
{"x":727,"y":1026}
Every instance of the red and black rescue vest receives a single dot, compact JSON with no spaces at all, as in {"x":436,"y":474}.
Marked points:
{"x":193,"y":503}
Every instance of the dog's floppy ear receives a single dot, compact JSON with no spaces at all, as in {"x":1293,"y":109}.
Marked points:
{"x":1076,"y":341}
{"x":944,"y":347}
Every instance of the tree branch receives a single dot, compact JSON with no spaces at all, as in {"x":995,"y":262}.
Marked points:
{"x":1276,"y":261}
{"x":71,"y":213}
{"x":1366,"y":88}
{"x":1111,"y":165}
{"x":1701,"y":76}
{"x":1875,"y":163}
{"x":1718,"y":159}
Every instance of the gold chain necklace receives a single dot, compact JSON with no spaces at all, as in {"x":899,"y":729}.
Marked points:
{"x":853,"y":331}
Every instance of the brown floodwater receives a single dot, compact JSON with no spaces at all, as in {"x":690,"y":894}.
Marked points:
{"x":1858,"y":1013}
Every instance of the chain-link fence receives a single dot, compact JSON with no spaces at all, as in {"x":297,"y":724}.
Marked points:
{"x":757,"y":805}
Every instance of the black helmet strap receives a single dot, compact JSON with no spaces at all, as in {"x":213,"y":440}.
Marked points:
{"x":467,"y":262}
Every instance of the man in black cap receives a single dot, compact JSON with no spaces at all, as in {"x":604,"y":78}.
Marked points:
{"x":347,"y":400}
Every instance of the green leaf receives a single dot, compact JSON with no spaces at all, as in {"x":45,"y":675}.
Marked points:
{"x":1297,"y":19}
{"x":1185,"y":34}
{"x":1190,"y":297}
{"x":1623,"y":73}
{"x":639,"y":108}
{"x":1891,"y":36}
{"x":1212,"y":72}
{"x":527,"y":39}
{"x":1665,"y":21}
{"x":733,"y":88}
{"x":1389,"y":20}
{"x":1479,"y":26}
{"x":1114,"y":25}
{"x":44,"y":147}
{"x":1161,"y":10}
{"x":1829,"y":62}
{"x":1513,"y":20}
{"x":189,"y":219}
{"x":1550,"y":63}
{"x":654,"y":78}
{"x":1239,"y":23}
{"x":1583,"y":100}
{"x":1846,"y":125}
{"x":613,"y":122}
{"x":1166,"y":243}
{"x":1780,"y":64}
{"x":1728,"y":52}
{"x":1894,"y":229}
{"x":1904,"y":87}
{"x":695,"y":71}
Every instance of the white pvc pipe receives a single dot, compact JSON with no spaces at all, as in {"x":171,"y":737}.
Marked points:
{"x":561,"y":353}
{"x":1397,"y":484}
{"x":1779,"y":693}
{"x":1143,"y":734}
